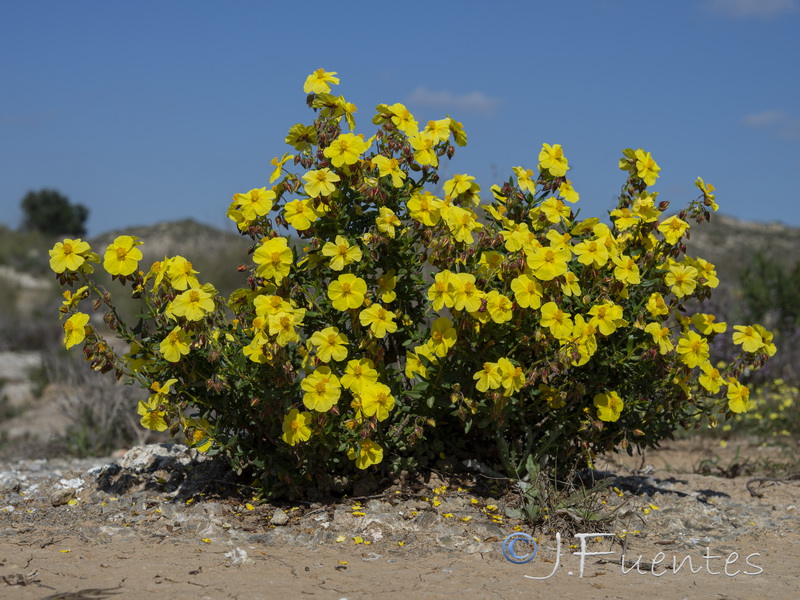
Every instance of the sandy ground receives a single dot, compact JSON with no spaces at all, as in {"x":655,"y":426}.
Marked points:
{"x":758,"y":555}
{"x":149,"y":569}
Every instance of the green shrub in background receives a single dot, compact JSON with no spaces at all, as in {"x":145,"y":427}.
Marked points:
{"x":405,"y":326}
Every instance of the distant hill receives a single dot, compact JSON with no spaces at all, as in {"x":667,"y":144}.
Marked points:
{"x":729,"y":243}
{"x":189,"y":238}
{"x":213,"y":252}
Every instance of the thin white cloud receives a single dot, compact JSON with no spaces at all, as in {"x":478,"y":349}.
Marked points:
{"x":751,"y":9}
{"x":776,"y":122}
{"x":472,"y":102}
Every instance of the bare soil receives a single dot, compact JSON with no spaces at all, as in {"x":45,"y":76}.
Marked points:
{"x":740,"y":535}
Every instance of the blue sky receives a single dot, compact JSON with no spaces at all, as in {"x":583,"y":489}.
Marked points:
{"x":147,"y":111}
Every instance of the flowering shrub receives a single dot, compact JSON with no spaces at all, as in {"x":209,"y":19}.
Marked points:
{"x":383,"y":325}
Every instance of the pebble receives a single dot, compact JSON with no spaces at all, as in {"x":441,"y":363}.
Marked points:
{"x":279,"y":518}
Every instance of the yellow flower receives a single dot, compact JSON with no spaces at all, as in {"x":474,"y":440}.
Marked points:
{"x":152,"y":418}
{"x":660,"y":336}
{"x":359,"y":373}
{"x":347,"y":292}
{"x":524,"y":179}
{"x":278,"y":164}
{"x":458,"y":185}
{"x":71,"y":299}
{"x":555,"y":210}
{"x":747,"y":337}
{"x":768,"y":347}
{"x":512,"y":377}
{"x":624,"y":218}
{"x":282,"y":325}
{"x":300,"y":214}
{"x":441,"y":292}
{"x":258,"y":350}
{"x":488,"y":378}
{"x":319,"y":82}
{"x":181,"y":273}
{"x":322,"y":390}
{"x":330,"y":344}
{"x":609,"y":406}
{"x":443,"y":336}
{"x":708,"y":324}
{"x":386,"y":284}
{"x":255,"y":203}
{"x":122,"y":256}
{"x":368,"y":453}
{"x":457,"y":129}
{"x":75,"y":329}
{"x":425,"y":208}
{"x":376,"y":400}
{"x":591,"y":252}
{"x":490,"y":263}
{"x":389,"y":167}
{"x":296,"y":427}
{"x":152,"y":411}
{"x":568,"y":192}
{"x":193,"y":304}
{"x":346,"y":149}
{"x":645,"y":209}
{"x":440,"y":129}
{"x":673,"y":229}
{"x":68,"y":255}
{"x":268,"y":304}
{"x":551,"y":158}
{"x":461,"y":223}
{"x":693,"y":349}
{"x":607,"y":317}
{"x":424,"y":146}
{"x":320,"y":182}
{"x":626,"y":270}
{"x":558,"y":321}
{"x":402,"y":119}
{"x":349,"y":109}
{"x":656,"y":306}
{"x":527,"y":292}
{"x":341,"y":253}
{"x":738,"y":396}
{"x":646,"y":168}
{"x":711,"y":379}
{"x":584,"y":336}
{"x":498,"y":307}
{"x":516,"y":235}
{"x":548,"y":262}
{"x":414,"y":364}
{"x":379,"y":320}
{"x":681,"y":279}
{"x":708,"y":197}
{"x":705,"y":271}
{"x":466,"y":295}
{"x":199,"y":437}
{"x":387,"y":221}
{"x":175,"y":345}
{"x":274,"y":259}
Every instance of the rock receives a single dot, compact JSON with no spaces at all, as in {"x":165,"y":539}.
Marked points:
{"x":62,"y":497}
{"x":343,"y":518}
{"x":279,"y":518}
{"x":9,"y":485}
{"x":152,"y":457}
